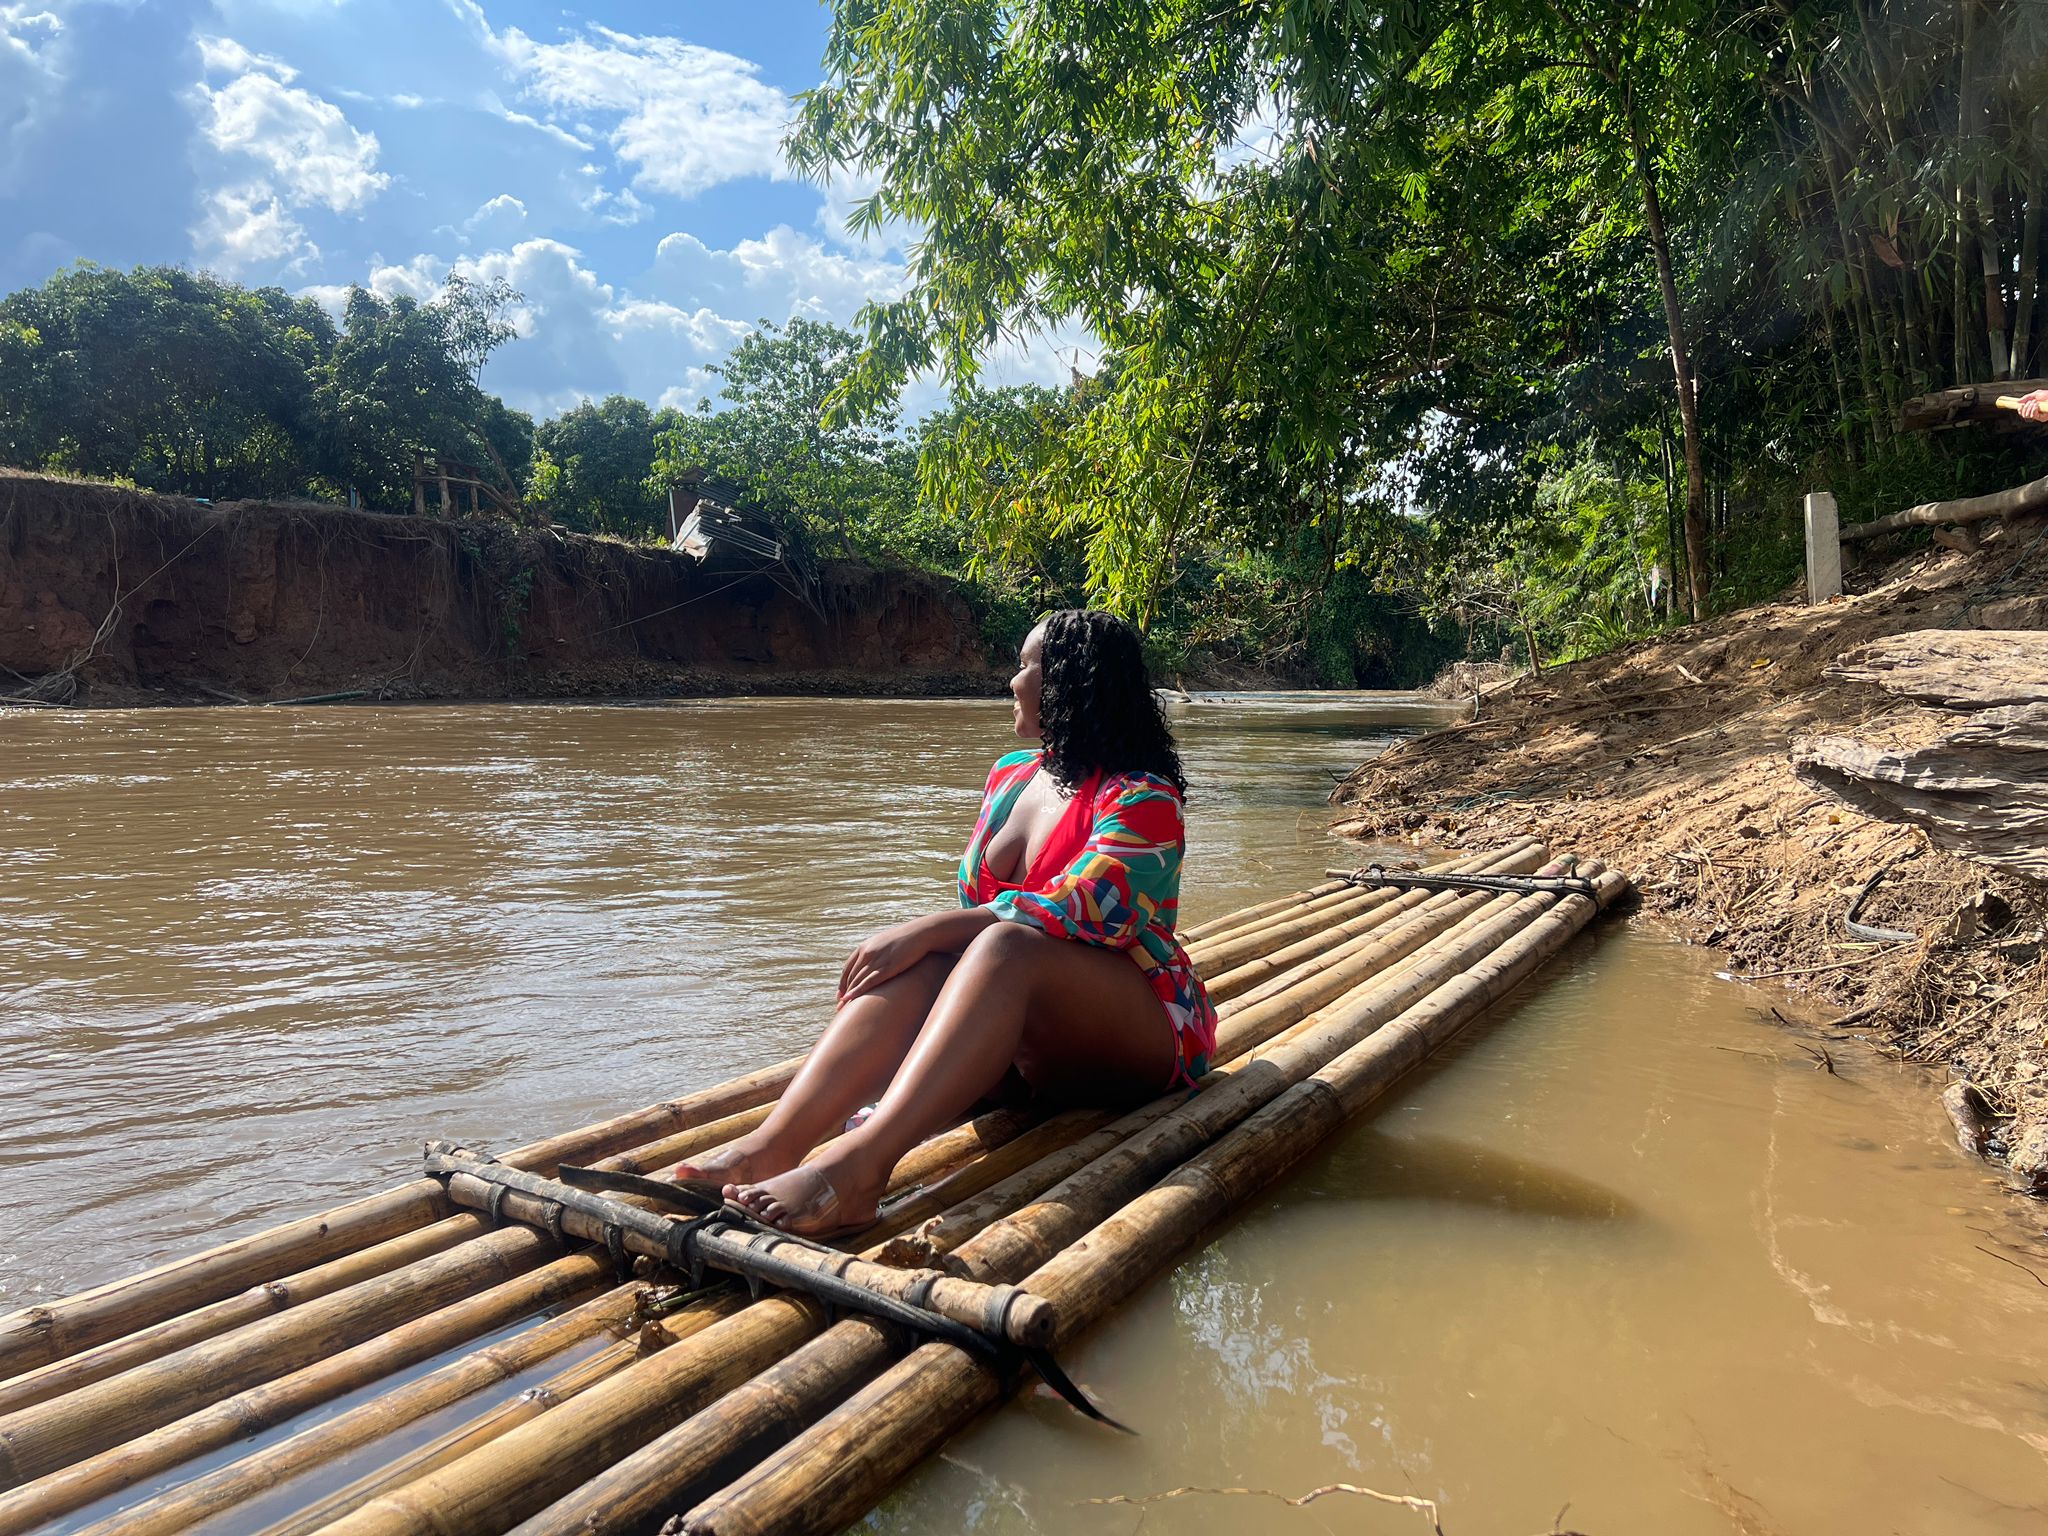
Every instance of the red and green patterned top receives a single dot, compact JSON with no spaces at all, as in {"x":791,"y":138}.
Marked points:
{"x":1110,"y":875}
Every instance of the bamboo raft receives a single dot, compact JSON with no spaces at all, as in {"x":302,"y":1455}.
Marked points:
{"x":514,"y":1369}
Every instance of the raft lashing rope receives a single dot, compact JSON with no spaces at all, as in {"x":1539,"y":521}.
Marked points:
{"x":997,"y":1323}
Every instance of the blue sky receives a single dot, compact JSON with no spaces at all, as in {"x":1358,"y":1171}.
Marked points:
{"x":618,"y":163}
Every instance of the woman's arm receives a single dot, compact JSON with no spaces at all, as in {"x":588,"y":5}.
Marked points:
{"x":897,"y":948}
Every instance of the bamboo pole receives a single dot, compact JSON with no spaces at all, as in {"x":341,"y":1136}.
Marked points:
{"x":1256,"y":980}
{"x":1252,"y":914}
{"x":832,"y":1472}
{"x":228,"y":1486}
{"x":117,"y":1355}
{"x":1218,"y":956}
{"x":544,"y":1460}
{"x":968,"y":1158}
{"x":52,"y":1330}
{"x":481,"y":1430}
{"x":70,"y":1487}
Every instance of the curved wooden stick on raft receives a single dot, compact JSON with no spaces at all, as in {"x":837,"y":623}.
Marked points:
{"x":1000,"y":1311}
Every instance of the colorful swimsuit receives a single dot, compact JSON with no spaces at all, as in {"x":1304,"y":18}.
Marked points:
{"x":1110,"y":876}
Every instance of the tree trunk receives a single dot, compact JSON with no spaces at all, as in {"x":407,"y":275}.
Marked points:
{"x":2030,"y":265}
{"x":1966,"y":113}
{"x":1681,"y":367}
{"x":1993,"y":270}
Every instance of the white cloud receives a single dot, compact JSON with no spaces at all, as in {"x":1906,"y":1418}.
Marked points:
{"x":31,"y":73}
{"x":496,"y":218}
{"x":310,"y":150}
{"x":225,"y":56}
{"x":491,"y":104}
{"x":580,"y":338}
{"x":686,"y":117}
{"x":29,"y":32}
{"x":781,"y":274}
{"x":246,"y":226}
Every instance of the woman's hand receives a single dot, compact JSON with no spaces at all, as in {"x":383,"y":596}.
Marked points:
{"x":896,"y":949}
{"x":2034,"y":407}
{"x":884,"y":955}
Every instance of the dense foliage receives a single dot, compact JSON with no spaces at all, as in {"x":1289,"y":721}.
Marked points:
{"x":1520,"y":306}
{"x":180,"y":382}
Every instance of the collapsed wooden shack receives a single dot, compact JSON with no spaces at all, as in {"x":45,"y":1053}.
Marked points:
{"x":502,"y":1369}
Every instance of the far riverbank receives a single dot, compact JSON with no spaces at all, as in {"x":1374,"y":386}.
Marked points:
{"x":117,"y":597}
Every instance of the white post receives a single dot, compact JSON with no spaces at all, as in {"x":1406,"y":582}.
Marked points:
{"x":1823,"y":548}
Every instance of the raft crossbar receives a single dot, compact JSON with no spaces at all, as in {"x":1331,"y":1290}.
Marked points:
{"x":1376,"y":876}
{"x":999,"y":1324}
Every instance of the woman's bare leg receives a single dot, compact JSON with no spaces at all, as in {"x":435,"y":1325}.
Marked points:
{"x":1078,"y":1020}
{"x":850,"y":1065}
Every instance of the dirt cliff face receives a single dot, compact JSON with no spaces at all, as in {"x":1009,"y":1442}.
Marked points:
{"x":114,"y":596}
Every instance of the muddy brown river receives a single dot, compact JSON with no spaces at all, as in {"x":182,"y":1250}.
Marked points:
{"x":1621,"y":1260}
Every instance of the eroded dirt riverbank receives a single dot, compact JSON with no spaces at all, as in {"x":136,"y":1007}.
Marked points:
{"x":119,"y":597}
{"x":1672,"y":759}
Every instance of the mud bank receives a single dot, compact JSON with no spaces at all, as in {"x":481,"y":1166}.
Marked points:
{"x":1673,"y":759}
{"x":113,"y":597}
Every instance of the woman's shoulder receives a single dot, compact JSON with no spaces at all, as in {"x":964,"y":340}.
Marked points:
{"x":1135,"y":784}
{"x":1009,"y":766}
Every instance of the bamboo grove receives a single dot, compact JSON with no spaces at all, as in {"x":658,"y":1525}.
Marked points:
{"x":1397,"y":272}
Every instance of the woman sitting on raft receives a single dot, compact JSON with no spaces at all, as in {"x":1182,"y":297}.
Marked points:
{"x":1071,"y":875}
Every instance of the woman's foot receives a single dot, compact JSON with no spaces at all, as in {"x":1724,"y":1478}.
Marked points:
{"x":745,"y":1161}
{"x":804,"y":1203}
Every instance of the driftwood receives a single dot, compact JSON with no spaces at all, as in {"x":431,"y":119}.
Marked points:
{"x":2031,"y":497}
{"x":1964,"y":405}
{"x":1979,"y":790}
{"x":1955,"y":668}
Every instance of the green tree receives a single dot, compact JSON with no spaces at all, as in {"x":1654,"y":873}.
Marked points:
{"x":838,"y":486}
{"x":399,"y":390}
{"x":598,"y":460}
{"x":170,"y":378}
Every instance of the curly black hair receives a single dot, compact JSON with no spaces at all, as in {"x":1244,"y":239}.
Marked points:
{"x":1098,"y":709}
